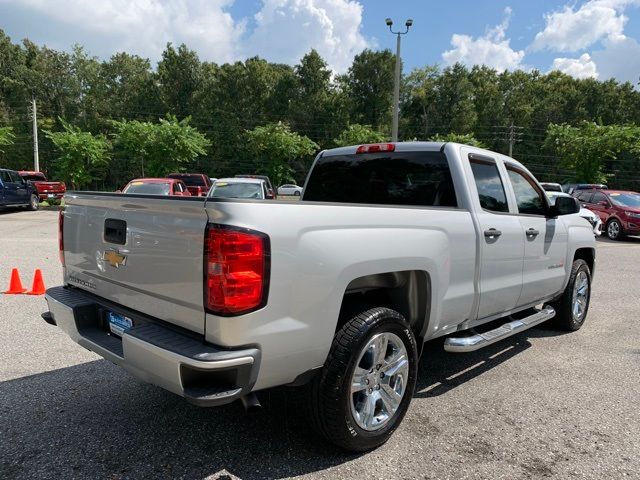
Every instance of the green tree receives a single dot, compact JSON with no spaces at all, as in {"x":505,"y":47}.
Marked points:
{"x":357,"y":134}
{"x":369,"y":87}
{"x":180,"y":77}
{"x":588,"y":148}
{"x":464,"y":138}
{"x":159,"y":148}
{"x":277,"y":149}
{"x":83,"y":156}
{"x":6,"y":137}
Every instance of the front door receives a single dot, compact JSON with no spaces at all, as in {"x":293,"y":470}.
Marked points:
{"x":22,"y":192}
{"x":9,"y":189}
{"x":501,"y":240}
{"x":545,"y":245}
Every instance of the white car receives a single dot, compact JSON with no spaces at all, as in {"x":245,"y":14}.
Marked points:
{"x":290,"y":189}
{"x":251,"y":188}
{"x":585,"y":213}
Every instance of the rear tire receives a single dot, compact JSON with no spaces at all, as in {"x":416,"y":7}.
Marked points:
{"x":614,"y":229}
{"x":364,"y":389}
{"x":573,"y":305}
{"x":34,"y":202}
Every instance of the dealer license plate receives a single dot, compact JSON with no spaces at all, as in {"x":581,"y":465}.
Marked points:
{"x":118,"y":324}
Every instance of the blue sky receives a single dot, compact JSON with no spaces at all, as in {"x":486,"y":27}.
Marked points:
{"x":585,"y":38}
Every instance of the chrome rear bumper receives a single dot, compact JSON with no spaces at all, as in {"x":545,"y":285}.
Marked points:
{"x":177,"y":361}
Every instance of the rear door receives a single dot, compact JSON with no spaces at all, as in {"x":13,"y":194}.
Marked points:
{"x":501,"y":238}
{"x":143,"y":252}
{"x":22,"y":190}
{"x":545,"y":247}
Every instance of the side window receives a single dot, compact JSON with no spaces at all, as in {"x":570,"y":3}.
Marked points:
{"x":489,"y":185}
{"x":585,"y":197}
{"x":4,"y":176}
{"x":599,"y":197}
{"x":15,"y":177}
{"x":528,"y":196}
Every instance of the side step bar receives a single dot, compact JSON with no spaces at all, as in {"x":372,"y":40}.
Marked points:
{"x":480,"y":340}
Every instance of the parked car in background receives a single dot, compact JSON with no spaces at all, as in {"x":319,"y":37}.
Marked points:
{"x":573,"y":188}
{"x":241,"y":187}
{"x":265,"y":179}
{"x":197,"y":183}
{"x":290,"y":189}
{"x":157,"y":186}
{"x":46,"y":190}
{"x":619,"y":210}
{"x":15,"y":191}
{"x":585,"y":213}
{"x":551,"y":187}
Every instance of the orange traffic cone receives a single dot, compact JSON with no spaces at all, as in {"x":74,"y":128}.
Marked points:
{"x":37,"y":288}
{"x":15,"y":284}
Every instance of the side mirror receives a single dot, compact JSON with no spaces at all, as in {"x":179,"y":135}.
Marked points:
{"x":270,"y":195}
{"x":565,"y":206}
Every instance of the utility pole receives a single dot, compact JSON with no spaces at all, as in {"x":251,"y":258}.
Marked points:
{"x":512,"y":140}
{"x":396,"y":84}
{"x":34,"y":115}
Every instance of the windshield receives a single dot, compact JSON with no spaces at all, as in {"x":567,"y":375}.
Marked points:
{"x":148,"y":188}
{"x":237,"y":190}
{"x":191,"y":180}
{"x":625,"y":199}
{"x":34,"y":177}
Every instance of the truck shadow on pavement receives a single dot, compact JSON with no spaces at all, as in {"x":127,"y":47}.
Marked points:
{"x":93,"y":420}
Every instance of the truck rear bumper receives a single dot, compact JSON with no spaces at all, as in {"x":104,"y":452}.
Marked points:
{"x":169,"y":357}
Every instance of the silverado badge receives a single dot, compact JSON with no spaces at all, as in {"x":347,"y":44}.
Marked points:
{"x":115,"y":259}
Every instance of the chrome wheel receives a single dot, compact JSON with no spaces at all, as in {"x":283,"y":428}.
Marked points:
{"x":613,"y":229}
{"x":580,"y":299}
{"x":379,"y":381}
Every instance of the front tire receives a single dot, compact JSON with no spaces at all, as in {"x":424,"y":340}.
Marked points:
{"x":573,"y":305}
{"x":365,"y":387}
{"x":614,"y":229}
{"x":34,"y":202}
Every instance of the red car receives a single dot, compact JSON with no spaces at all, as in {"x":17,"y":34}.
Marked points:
{"x":197,"y":183}
{"x":619,"y":210}
{"x":157,"y":186}
{"x":44,"y":188}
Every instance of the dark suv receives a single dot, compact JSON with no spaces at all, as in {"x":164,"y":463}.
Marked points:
{"x":15,"y":191}
{"x":619,"y":210}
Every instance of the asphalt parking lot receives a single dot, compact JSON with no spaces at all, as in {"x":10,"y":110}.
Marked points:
{"x":539,"y":405}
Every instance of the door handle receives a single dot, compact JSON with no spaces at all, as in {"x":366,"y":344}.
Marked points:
{"x":532,"y":232}
{"x":492,"y":233}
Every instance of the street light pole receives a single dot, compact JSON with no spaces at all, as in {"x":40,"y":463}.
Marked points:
{"x":396,"y":83}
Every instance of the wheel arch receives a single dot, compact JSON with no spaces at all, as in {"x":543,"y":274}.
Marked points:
{"x":409,"y":292}
{"x":588,"y":254}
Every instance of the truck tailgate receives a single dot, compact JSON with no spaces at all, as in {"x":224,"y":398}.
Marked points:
{"x":155,"y":267}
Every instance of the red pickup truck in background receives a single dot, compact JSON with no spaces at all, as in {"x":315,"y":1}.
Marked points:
{"x":198,"y":184}
{"x":44,"y":188}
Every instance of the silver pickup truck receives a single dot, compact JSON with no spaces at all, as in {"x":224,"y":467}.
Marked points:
{"x":391,"y":245}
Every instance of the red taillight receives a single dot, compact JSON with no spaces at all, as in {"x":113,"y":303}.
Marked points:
{"x":236,"y":270}
{"x":61,"y":236}
{"x":376,"y":147}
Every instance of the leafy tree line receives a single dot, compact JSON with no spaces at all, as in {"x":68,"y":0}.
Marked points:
{"x":131,"y":117}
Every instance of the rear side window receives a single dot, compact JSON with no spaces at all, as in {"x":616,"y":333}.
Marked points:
{"x":585,"y":197}
{"x":489,"y":184}
{"x":4,"y":176}
{"x":15,"y":177}
{"x":396,"y":178}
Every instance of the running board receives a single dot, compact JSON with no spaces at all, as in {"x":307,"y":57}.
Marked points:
{"x":480,"y":340}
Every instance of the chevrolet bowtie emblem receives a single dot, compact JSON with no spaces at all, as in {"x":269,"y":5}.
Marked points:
{"x":114,"y":258}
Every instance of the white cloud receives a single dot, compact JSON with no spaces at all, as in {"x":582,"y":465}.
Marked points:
{"x":582,"y":67}
{"x":491,"y":49}
{"x":284,"y":29}
{"x":571,"y":29}
{"x":287,"y":29}
{"x":620,"y":59}
{"x":145,"y":26}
